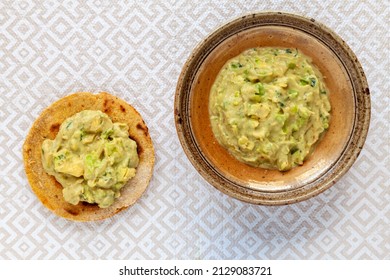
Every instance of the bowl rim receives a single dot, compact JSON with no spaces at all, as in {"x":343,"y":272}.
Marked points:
{"x":361,"y":96}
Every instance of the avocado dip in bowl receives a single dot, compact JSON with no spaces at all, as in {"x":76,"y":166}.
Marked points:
{"x":270,"y":131}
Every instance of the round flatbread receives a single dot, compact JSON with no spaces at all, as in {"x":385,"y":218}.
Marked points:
{"x":45,"y":186}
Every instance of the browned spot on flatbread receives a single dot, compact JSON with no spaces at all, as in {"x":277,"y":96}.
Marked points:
{"x":139,"y":149}
{"x":120,"y":209}
{"x":71,"y":211}
{"x":106,"y":106}
{"x":122,"y":108}
{"x":58,"y":185}
{"x":142,"y":127}
{"x":84,"y":203}
{"x":54,"y":127}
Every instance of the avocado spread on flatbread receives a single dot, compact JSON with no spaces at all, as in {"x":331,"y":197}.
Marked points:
{"x":91,"y":157}
{"x":88,"y":156}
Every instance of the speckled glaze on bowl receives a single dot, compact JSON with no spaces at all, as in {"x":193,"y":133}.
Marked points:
{"x":333,"y":156}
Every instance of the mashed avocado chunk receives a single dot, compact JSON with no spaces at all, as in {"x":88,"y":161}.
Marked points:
{"x":269,"y":107}
{"x":91,"y":157}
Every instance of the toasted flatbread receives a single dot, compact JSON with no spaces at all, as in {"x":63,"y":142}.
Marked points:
{"x":45,"y":186}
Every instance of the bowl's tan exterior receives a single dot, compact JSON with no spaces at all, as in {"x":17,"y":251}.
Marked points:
{"x":333,"y":156}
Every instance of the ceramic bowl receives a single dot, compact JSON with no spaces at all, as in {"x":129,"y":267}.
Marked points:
{"x":335,"y":153}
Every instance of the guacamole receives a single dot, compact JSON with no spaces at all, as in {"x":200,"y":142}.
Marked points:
{"x":269,"y":107}
{"x":91,"y":157}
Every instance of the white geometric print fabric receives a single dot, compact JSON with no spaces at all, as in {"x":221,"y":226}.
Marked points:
{"x":135,"y":50}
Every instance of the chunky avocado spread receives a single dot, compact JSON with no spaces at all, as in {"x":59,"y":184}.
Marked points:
{"x":269,"y":106}
{"x":91,"y":157}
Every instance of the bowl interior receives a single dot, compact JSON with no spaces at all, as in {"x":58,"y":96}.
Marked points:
{"x":329,"y":148}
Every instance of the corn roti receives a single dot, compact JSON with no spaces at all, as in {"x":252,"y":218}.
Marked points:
{"x":45,"y":186}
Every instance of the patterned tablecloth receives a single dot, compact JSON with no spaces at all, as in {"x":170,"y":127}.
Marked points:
{"x":136,"y":51}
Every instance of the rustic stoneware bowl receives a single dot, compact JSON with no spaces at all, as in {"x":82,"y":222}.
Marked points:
{"x":333,"y":156}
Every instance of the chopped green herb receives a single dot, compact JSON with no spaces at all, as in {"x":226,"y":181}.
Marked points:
{"x":326,"y":125}
{"x":294,"y":109}
{"x":106,"y":134}
{"x":60,"y":157}
{"x":288,"y":51}
{"x":312,"y":82}
{"x":280,"y":118}
{"x":291,"y":65}
{"x":260,"y":89}
{"x":82,"y":134}
{"x":236,"y":65}
{"x":303,"y":82}
{"x":293,"y":93}
{"x":68,"y":125}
